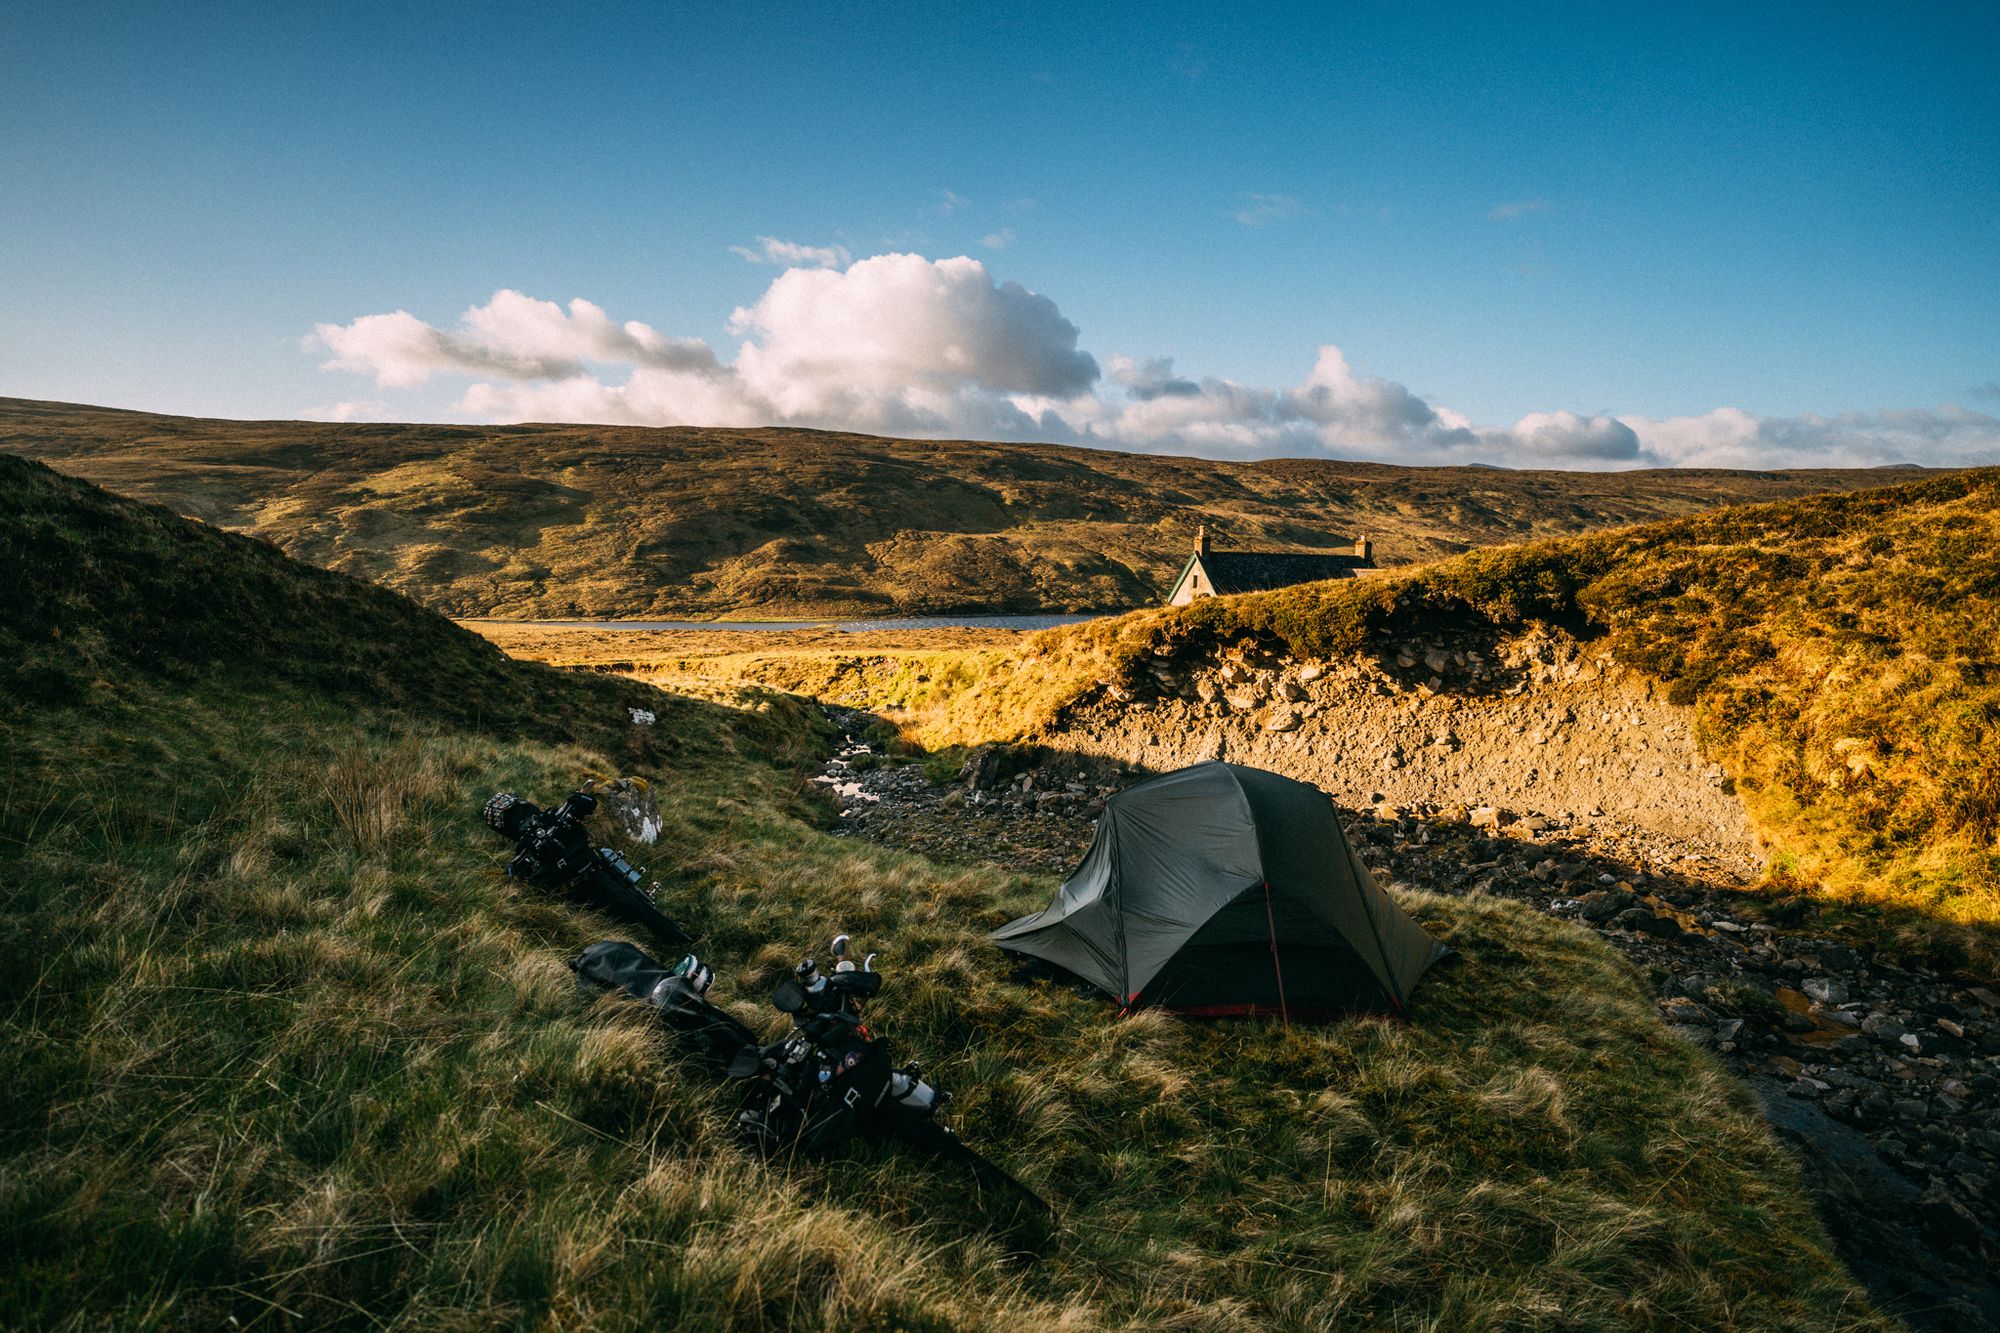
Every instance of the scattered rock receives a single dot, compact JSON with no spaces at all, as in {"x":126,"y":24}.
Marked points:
{"x":1603,"y":904}
{"x":1908,"y":1112}
{"x":1281,"y":718}
{"x":1639,"y":919}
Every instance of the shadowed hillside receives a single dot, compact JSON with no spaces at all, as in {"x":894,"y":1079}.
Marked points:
{"x":288,"y":1050}
{"x":558,"y":521}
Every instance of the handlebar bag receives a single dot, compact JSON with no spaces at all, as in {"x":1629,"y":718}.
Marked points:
{"x":614,"y":965}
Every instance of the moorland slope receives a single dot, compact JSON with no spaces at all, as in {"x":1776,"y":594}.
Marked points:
{"x":1837,"y":652}
{"x":287,"y":1048}
{"x":541,"y":522}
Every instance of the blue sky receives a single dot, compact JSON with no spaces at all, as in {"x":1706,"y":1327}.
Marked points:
{"x":1521,"y":226}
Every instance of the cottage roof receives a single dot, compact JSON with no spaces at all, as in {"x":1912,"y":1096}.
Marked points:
{"x":1261,"y":571}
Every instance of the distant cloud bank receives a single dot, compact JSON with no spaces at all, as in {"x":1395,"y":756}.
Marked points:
{"x":904,"y":345}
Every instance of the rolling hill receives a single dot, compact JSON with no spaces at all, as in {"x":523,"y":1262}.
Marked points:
{"x":539,"y":522}
{"x":286,"y":1048}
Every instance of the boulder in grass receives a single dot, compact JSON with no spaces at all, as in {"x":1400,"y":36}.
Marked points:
{"x":632,"y":802}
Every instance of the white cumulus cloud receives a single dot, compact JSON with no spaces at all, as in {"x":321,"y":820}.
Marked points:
{"x":1334,"y":411}
{"x":1555,"y":435}
{"x":898,"y":322}
{"x":904,"y":345}
{"x":895,"y":343}
{"x":1945,"y":436}
{"x":513,"y":336}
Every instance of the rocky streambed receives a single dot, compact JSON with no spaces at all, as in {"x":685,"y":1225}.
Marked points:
{"x":1886,"y":1080}
{"x":1536,"y":722}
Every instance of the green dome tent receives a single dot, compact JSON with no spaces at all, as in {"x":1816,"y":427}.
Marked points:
{"x":1220,"y":889}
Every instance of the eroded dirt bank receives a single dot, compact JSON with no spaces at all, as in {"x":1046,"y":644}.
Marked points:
{"x":1536,"y":726}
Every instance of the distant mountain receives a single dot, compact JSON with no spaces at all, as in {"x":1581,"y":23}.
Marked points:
{"x":542,"y":521}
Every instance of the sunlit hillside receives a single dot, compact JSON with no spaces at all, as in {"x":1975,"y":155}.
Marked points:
{"x":1839,"y":651}
{"x":604,"y":521}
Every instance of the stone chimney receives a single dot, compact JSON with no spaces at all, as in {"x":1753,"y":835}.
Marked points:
{"x":1201,"y":540}
{"x":1363,"y":548}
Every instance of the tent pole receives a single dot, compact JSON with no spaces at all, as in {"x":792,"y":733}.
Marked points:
{"x":1271,"y":924}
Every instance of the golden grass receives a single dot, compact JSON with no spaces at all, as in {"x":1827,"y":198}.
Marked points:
{"x":286,"y":1047}
{"x":276,"y":1070}
{"x":1838,"y":650}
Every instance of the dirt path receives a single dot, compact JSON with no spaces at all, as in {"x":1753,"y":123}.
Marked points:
{"x":1887,"y":1080}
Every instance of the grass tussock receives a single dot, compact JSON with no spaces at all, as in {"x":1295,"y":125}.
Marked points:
{"x":286,"y":1048}
{"x":265,"y":1071}
{"x":1838,"y":651}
